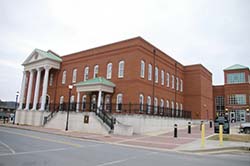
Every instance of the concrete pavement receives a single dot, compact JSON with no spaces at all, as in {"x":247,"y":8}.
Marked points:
{"x":163,"y":141}
{"x":25,"y":147}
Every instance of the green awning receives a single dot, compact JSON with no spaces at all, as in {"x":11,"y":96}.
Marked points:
{"x":96,"y":81}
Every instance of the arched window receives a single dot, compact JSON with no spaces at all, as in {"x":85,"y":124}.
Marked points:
{"x":72,"y":100}
{"x":107,"y":103}
{"x":74,"y":75}
{"x":119,"y":102}
{"x":162,"y":77}
{"x":86,"y":73}
{"x":109,"y":70}
{"x":149,"y":72}
{"x":149,"y":104}
{"x":177,"y":109}
{"x":172,"y":107}
{"x":161,"y":106}
{"x":63,"y":77}
{"x":177,"y":83}
{"x":142,"y":69}
{"x":181,"y":108}
{"x":155,"y":105}
{"x":96,"y":70}
{"x":181,"y":86}
{"x":167,"y":104}
{"x":141,"y":99}
{"x":167,"y":80}
{"x":156,"y":74}
{"x":61,"y":103}
{"x":121,"y":69}
{"x":84,"y":103}
{"x":172,"y":81}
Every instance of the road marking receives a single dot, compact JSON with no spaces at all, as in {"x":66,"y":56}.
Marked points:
{"x":32,"y":152}
{"x":124,"y":160}
{"x":43,"y":139}
{"x":7,"y":146}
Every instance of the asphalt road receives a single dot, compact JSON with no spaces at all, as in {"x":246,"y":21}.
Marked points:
{"x":25,"y":148}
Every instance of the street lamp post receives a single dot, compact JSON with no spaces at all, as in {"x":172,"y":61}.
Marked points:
{"x":17,"y":94}
{"x":67,"y":122}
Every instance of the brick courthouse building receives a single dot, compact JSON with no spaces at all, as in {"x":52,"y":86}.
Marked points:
{"x":130,"y":76}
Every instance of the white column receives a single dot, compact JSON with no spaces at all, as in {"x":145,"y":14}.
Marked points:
{"x":29,"y":89}
{"x":22,"y":91}
{"x":78,"y":102}
{"x":99,"y":100}
{"x":45,"y":87}
{"x":38,"y":78}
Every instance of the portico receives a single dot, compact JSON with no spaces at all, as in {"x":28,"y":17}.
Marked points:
{"x":99,"y":84}
{"x":39,"y":63}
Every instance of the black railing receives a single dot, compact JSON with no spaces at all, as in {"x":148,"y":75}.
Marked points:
{"x":49,"y":117}
{"x":107,"y":119}
{"x":120,"y":109}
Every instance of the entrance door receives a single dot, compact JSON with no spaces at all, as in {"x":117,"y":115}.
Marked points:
{"x":242,"y":116}
{"x":232,"y":117}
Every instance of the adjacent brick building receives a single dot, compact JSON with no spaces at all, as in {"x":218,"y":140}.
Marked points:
{"x":233,"y":98}
{"x":130,"y":76}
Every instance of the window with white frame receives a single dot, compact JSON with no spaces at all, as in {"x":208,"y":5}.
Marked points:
{"x":83,"y":102}
{"x":181,"y":110}
{"x":61,"y":103}
{"x":177,"y":109}
{"x":51,"y":79}
{"x":149,"y":72}
{"x":167,"y":104}
{"x":74,"y":75}
{"x":109,"y":70}
{"x":121,"y":69}
{"x":162,"y":106}
{"x":107,"y":103}
{"x":167,"y":80}
{"x":162,"y":77}
{"x":142,"y":69}
{"x":64,"y":77}
{"x":141,"y":98}
{"x":172,"y":81}
{"x":156,"y":75}
{"x":96,"y":70}
{"x":86,"y":73}
{"x":119,"y":102}
{"x":172,"y":107}
{"x":181,"y":85}
{"x":149,"y":104}
{"x":155,"y":105}
{"x":177,"y":83}
{"x":72,"y":100}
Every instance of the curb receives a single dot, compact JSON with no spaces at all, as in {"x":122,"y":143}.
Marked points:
{"x":220,"y":150}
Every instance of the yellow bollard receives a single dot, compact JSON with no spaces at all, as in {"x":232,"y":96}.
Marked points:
{"x":203,"y":135}
{"x":221,"y":134}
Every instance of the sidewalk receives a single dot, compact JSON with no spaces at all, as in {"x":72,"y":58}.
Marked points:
{"x":184,"y":142}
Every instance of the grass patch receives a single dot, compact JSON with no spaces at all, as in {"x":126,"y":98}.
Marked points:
{"x":232,"y":137}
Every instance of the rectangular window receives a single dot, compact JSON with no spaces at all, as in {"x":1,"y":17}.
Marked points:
{"x":167,"y":79}
{"x":86,"y":74}
{"x":109,"y":71}
{"x":237,"y":99}
{"x":149,"y":72}
{"x":177,"y":83}
{"x":51,"y":79}
{"x":172,"y":81}
{"x":156,"y":75}
{"x":236,"y":78}
{"x":64,"y":77}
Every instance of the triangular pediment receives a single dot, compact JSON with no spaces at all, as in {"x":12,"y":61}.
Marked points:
{"x":38,"y":55}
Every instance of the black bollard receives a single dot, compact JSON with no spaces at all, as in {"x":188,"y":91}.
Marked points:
{"x":189,"y":127}
{"x":201,"y":125}
{"x":211,"y":124}
{"x":175,"y":130}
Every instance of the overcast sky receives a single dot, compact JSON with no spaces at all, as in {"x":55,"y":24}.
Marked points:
{"x":215,"y":33}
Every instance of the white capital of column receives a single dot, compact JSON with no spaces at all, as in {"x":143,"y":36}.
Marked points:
{"x":22,"y":91}
{"x":78,"y":102}
{"x":29,"y":89}
{"x":38,"y":78}
{"x":45,"y":87}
